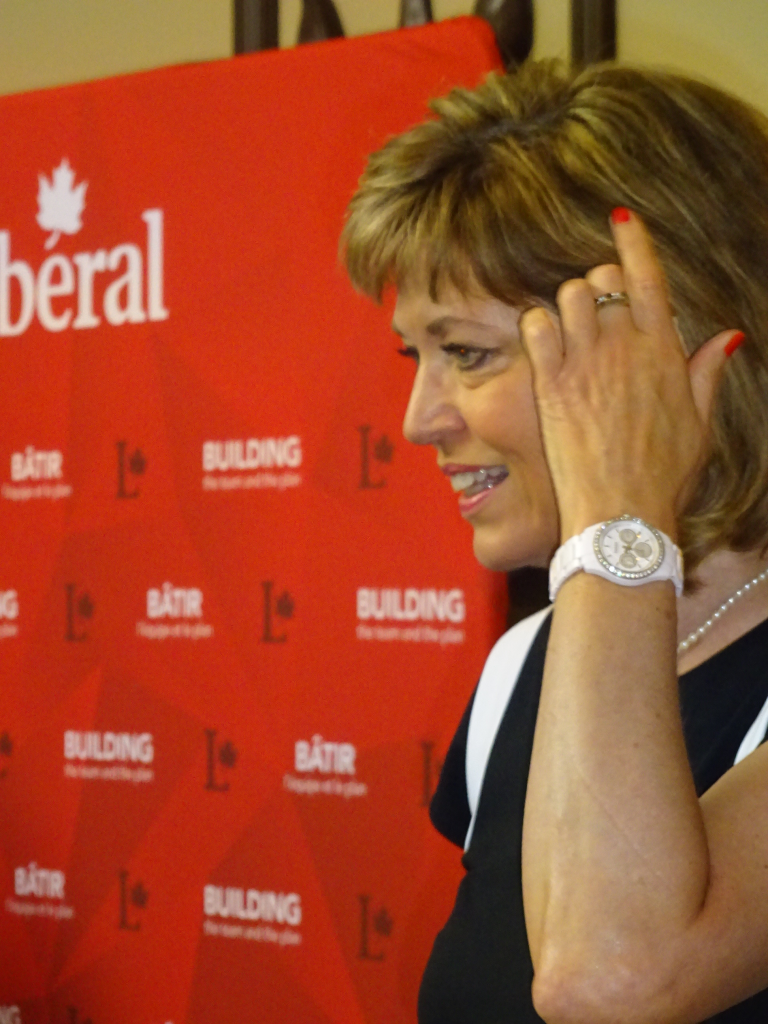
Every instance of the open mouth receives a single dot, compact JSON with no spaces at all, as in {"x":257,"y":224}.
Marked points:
{"x":472,"y":482}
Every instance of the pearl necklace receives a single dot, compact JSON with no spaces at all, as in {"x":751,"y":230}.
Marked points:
{"x":697,"y":634}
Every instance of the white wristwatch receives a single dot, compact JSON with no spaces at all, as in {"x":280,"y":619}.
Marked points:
{"x":626,"y":550}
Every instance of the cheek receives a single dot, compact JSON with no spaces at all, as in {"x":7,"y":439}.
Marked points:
{"x":505,"y":418}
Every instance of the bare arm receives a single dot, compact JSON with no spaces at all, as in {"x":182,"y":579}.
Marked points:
{"x":639,"y":899}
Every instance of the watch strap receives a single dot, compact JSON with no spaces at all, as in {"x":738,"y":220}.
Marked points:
{"x":567,"y":561}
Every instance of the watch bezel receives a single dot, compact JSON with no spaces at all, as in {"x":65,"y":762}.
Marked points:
{"x":624,"y":573}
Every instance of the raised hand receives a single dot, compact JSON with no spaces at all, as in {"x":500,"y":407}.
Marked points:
{"x":624,"y":413}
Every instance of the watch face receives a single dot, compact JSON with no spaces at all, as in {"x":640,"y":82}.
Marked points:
{"x":629,"y":547}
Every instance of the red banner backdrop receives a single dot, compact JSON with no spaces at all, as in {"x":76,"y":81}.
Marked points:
{"x":239,"y":618}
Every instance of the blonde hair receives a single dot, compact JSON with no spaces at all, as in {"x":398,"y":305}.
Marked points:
{"x":509,"y":188}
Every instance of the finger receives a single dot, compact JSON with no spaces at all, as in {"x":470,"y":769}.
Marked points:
{"x":608,"y":279}
{"x":705,"y":368}
{"x":542,"y":340}
{"x":644,"y":278}
{"x":578,"y":316}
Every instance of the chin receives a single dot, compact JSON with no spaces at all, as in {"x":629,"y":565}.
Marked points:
{"x":505,"y":554}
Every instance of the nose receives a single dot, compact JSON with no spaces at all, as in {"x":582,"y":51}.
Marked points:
{"x":432,"y":416}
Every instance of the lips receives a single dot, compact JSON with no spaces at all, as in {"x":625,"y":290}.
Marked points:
{"x":473,"y":480}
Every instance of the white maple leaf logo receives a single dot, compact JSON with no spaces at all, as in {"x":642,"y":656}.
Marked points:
{"x":60,"y":204}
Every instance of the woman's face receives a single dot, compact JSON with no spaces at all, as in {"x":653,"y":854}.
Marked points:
{"x":472,"y":399}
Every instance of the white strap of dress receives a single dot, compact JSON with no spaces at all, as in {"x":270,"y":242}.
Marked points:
{"x":755,"y":736}
{"x":494,"y":690}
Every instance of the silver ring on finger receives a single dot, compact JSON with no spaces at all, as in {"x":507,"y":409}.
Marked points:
{"x":612,"y":298}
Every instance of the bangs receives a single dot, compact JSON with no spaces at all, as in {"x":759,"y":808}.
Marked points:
{"x":498,"y":223}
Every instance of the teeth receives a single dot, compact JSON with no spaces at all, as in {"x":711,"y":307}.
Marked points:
{"x":480,"y":480}
{"x":461,"y":481}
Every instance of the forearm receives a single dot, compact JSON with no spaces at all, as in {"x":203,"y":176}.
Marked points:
{"x":615,"y":861}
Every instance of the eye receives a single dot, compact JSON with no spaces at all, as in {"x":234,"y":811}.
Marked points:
{"x":409,"y":353}
{"x":469,"y":357}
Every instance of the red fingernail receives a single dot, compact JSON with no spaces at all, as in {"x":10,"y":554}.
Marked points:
{"x":620,"y":215}
{"x":734,"y":343}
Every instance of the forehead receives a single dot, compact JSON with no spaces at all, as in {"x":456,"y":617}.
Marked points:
{"x":419,"y":313}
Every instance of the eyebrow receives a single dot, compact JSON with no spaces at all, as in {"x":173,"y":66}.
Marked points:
{"x":440,"y":327}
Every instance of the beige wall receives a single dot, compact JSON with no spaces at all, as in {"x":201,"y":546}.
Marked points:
{"x":50,"y":42}
{"x":53,"y":42}
{"x":724,"y":41}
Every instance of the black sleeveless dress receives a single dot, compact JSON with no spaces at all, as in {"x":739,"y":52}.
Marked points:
{"x":480,"y":970}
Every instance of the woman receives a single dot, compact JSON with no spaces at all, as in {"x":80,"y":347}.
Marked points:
{"x":575,"y":366}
